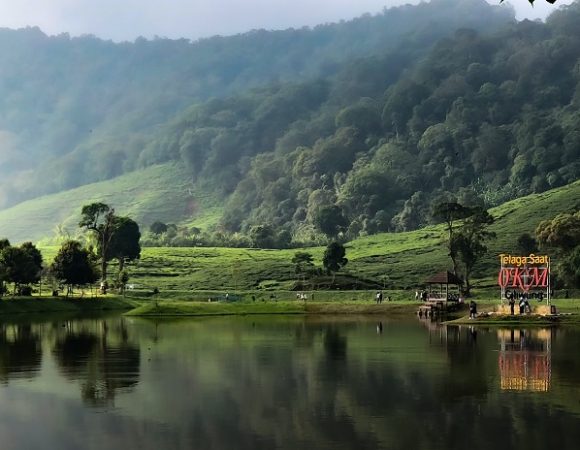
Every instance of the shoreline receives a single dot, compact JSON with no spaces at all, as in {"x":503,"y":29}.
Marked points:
{"x":35,"y":305}
{"x":193,"y":309}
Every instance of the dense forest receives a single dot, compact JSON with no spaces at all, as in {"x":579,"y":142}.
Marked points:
{"x":84,"y":109}
{"x":483,"y":118}
{"x":351,"y":128}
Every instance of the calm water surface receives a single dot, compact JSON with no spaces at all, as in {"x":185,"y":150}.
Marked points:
{"x":291,"y":383}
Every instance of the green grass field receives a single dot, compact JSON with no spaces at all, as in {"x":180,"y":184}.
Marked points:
{"x":394,"y":260}
{"x":163,"y":192}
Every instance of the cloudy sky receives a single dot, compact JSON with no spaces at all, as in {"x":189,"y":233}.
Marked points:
{"x":127,"y":19}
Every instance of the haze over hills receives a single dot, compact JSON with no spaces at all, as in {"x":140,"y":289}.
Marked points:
{"x":86,"y":109}
{"x":367,"y":121}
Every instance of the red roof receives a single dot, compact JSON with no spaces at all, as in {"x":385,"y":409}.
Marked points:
{"x":444,"y":278}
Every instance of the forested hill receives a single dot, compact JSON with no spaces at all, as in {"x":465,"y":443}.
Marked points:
{"x":483,"y":117}
{"x":77,"y":110}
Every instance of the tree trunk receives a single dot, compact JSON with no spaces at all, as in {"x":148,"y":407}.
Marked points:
{"x":104,"y":269}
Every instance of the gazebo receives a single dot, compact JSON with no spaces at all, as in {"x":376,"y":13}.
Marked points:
{"x":439,"y":287}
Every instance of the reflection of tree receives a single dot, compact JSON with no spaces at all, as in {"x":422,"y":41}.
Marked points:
{"x":102,"y":358}
{"x":73,"y":352}
{"x":467,"y":369}
{"x":334,"y":345}
{"x":20,"y":352}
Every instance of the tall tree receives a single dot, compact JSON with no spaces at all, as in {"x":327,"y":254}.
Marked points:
{"x":334,"y":258}
{"x":99,"y":219}
{"x":450,"y":213}
{"x":468,"y":242}
{"x":124,"y":245}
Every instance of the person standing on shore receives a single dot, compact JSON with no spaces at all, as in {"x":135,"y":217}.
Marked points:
{"x":472,"y":310}
{"x":512,"y":304}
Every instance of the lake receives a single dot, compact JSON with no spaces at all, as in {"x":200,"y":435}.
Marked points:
{"x":285,"y":382}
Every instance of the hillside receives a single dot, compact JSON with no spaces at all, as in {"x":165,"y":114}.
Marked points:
{"x":397,"y":260}
{"x":89,"y":110}
{"x":161,"y":192}
{"x":482,"y":118}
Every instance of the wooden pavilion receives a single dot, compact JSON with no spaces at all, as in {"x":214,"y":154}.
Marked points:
{"x":444,"y":286}
{"x":443,"y":294}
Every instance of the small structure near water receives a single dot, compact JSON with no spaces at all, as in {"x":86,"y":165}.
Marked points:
{"x":443,"y":294}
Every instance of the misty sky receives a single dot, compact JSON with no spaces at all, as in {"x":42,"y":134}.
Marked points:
{"x":127,"y":19}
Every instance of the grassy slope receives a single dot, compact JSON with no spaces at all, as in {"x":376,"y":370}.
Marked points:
{"x":160,"y":192}
{"x":404,"y":258}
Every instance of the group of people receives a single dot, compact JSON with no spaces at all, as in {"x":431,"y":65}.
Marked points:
{"x":379,"y":297}
{"x":422,"y":295}
{"x":524,"y":304}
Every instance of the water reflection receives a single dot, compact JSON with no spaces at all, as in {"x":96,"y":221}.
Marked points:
{"x":263,"y":383}
{"x":100,"y":355}
{"x":525,"y":359}
{"x":20,"y":352}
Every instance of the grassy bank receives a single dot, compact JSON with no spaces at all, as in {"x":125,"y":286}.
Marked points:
{"x":392,"y":260}
{"x":29,"y":305}
{"x":174,"y":308}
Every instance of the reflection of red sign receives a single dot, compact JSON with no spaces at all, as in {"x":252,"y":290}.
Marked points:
{"x":523,"y":278}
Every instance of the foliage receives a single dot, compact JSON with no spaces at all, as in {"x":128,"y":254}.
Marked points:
{"x":74,"y":265}
{"x":330,"y":220}
{"x":379,"y":132}
{"x":469,"y":242}
{"x":303,"y":263}
{"x":562,"y":232}
{"x":562,"y":235}
{"x":527,"y":245}
{"x":158,"y":228}
{"x":91,"y":124}
{"x":124,"y":244}
{"x":450,"y":213}
{"x":334,"y":257}
{"x":19,"y":265}
{"x":117,"y":237}
{"x":100,"y":219}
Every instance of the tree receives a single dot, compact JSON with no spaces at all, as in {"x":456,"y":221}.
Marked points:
{"x":451,"y":213}
{"x":527,"y":244}
{"x":334,"y":258}
{"x":124,"y":245}
{"x":20,"y":265}
{"x":330,"y":220}
{"x":4,"y":244}
{"x":158,"y":228}
{"x":74,"y":265}
{"x":562,"y":234}
{"x":468,"y":243}
{"x":262,"y":236}
{"x":99,"y":219}
{"x":303,"y":263}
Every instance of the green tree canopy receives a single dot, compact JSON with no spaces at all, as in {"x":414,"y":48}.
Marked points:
{"x":74,"y":266}
{"x":124,"y":245}
{"x":334,"y":257}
